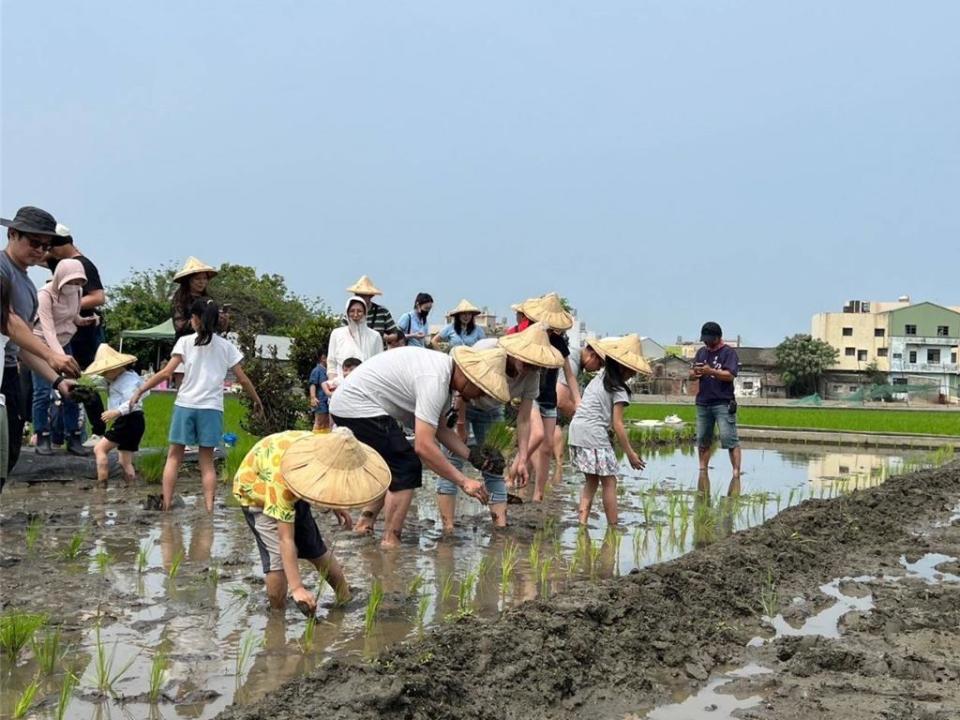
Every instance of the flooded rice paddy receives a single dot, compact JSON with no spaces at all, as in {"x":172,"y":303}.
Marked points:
{"x":164,"y":615}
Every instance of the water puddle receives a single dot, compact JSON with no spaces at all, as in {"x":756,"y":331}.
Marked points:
{"x":926,"y":568}
{"x":710,"y":704}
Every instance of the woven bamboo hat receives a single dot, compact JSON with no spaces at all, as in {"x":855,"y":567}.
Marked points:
{"x":549,"y":311}
{"x":487,"y":369}
{"x":532,"y":346}
{"x":108,"y":359}
{"x":335,"y":470}
{"x":465,"y":306}
{"x":364,"y":286}
{"x":626,"y":350}
{"x":193,"y":266}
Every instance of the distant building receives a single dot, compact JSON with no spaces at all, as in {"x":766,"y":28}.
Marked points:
{"x":688,"y":348}
{"x":671,"y":376}
{"x":759,"y":375}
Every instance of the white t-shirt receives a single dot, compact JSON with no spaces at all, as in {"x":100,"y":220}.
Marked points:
{"x":120,"y":390}
{"x":594,"y":417}
{"x":408,"y":384}
{"x":205,"y":368}
{"x":522,"y":387}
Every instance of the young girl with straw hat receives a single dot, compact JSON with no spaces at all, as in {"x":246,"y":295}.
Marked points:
{"x":127,"y":417}
{"x":601,"y":408}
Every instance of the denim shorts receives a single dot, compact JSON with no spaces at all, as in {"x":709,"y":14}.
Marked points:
{"x":496,"y":485}
{"x":193,"y":426}
{"x":710,"y":415}
{"x":547,"y":411}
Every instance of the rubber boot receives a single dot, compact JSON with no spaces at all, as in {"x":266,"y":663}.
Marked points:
{"x":43,"y":444}
{"x":75,"y":446}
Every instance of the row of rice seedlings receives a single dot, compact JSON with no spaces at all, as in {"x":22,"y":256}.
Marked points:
{"x":373,"y":608}
{"x":34,"y":531}
{"x":48,"y":651}
{"x":106,"y":678}
{"x":17,"y":628}
{"x":158,"y":675}
{"x":74,"y":546}
{"x":25,"y":699}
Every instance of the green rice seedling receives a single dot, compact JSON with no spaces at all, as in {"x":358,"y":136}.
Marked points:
{"x":465,"y":591}
{"x":158,"y":675}
{"x":533,"y":554}
{"x":769,"y":596}
{"x":596,"y":549}
{"x":446,"y":589}
{"x":423,"y":604}
{"x":106,"y":678}
{"x":545,"y":577}
{"x":74,"y":546}
{"x":648,"y":503}
{"x":48,"y":651}
{"x":245,"y":647}
{"x":550,"y":526}
{"x":149,"y":465}
{"x":483,"y":567}
{"x":67,"y":686}
{"x":17,"y":628}
{"x":638,"y":535}
{"x":508,"y":563}
{"x":309,"y":631}
{"x":213,"y":576}
{"x":143,"y":553}
{"x":25,"y":700}
{"x":416,"y":585}
{"x":103,"y":560}
{"x":175,"y":565}
{"x":34,"y":530}
{"x":373,"y":608}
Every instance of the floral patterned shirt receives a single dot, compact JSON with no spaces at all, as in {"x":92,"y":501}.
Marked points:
{"x":259,"y":482}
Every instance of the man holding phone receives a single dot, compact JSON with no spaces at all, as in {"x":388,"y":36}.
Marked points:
{"x":715,"y":366}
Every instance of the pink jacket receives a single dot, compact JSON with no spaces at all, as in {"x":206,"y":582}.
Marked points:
{"x":59,"y":305}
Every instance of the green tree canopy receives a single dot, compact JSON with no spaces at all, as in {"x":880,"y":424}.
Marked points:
{"x":802,"y":360}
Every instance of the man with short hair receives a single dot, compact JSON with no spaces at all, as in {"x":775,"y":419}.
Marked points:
{"x":29,"y":236}
{"x":715,"y":366}
{"x":378,"y":317}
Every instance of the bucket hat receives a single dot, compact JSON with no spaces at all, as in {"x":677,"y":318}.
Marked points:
{"x":487,"y":369}
{"x":108,"y":359}
{"x":465,"y":306}
{"x":532,"y":346}
{"x":335,"y":470}
{"x":626,"y":350}
{"x":32,"y":220}
{"x":549,"y":311}
{"x":193,"y":266}
{"x":364,"y":286}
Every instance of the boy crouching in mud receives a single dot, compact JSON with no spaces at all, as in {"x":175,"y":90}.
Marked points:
{"x":276,"y":483}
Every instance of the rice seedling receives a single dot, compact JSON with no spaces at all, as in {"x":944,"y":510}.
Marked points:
{"x":769,"y":596}
{"x":415,"y":585}
{"x":596,"y":549}
{"x":423,"y":604}
{"x":105,"y":676}
{"x":309,"y":631}
{"x":143,"y":553}
{"x":213,"y":576}
{"x":533,"y":554}
{"x":47,"y":651}
{"x":508,"y":563}
{"x":149,"y":465}
{"x":34,"y":530}
{"x":545,"y":577}
{"x":103,"y":560}
{"x":245,"y":647}
{"x":446,"y":589}
{"x":175,"y":565}
{"x":67,"y":686}
{"x":500,"y":436}
{"x":25,"y":700}
{"x":74,"y":546}
{"x":158,"y":674}
{"x":373,"y":608}
{"x":483,"y":567}
{"x":465,"y":592}
{"x":17,"y":628}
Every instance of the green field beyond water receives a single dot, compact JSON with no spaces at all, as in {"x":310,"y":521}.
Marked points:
{"x":158,"y":409}
{"x":915,"y":422}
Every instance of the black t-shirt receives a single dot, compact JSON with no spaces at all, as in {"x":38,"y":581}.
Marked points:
{"x":93,"y":278}
{"x":548,"y":378}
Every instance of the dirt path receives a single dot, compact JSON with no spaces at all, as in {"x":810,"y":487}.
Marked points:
{"x":619,"y":648}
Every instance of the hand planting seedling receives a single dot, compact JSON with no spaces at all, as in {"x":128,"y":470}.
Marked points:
{"x":86,"y":389}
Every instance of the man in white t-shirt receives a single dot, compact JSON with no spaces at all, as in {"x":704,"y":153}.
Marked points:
{"x":414,"y":386}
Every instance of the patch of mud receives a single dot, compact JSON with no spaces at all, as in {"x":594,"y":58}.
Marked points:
{"x":603,"y":650}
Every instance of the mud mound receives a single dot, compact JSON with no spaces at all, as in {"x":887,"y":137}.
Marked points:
{"x":606,"y":648}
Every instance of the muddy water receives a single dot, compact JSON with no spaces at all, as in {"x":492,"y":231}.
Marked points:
{"x":197,"y":599}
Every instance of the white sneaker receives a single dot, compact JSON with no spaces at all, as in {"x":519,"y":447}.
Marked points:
{"x":91,"y":441}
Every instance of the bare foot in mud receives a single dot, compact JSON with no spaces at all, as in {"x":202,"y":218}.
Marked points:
{"x":365,"y":524}
{"x":390,"y":541}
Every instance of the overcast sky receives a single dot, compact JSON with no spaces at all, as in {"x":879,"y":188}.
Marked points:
{"x":658,"y":163}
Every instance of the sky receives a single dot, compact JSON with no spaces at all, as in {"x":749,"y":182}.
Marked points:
{"x":659,"y":164}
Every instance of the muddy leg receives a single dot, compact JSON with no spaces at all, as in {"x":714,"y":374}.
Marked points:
{"x":447,"y":504}
{"x":126,"y":462}
{"x":330,"y":570}
{"x":208,"y":476}
{"x":276,"y":583}
{"x":498,"y":513}
{"x":102,"y":453}
{"x":609,"y":483}
{"x":398,"y":503}
{"x":586,"y":497}
{"x":368,"y":518}
{"x":170,"y":470}
{"x":558,"y":448}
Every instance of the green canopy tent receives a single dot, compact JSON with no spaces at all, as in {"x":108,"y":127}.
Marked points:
{"x":158,"y":333}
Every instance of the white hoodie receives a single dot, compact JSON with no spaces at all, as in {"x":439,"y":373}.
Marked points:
{"x":352,"y":340}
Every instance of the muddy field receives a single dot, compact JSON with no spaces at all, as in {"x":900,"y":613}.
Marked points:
{"x":873,"y":574}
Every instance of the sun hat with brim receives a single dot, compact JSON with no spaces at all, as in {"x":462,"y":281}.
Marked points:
{"x":192,"y":267}
{"x":626,"y":350}
{"x":465,"y":306}
{"x":364,"y":286}
{"x":108,"y":359}
{"x":549,"y":311}
{"x":32,"y":221}
{"x":532,"y":346}
{"x":335,"y":470}
{"x":487,"y":369}
{"x":592,"y":344}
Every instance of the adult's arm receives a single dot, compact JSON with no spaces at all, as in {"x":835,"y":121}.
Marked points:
{"x":523,"y":440}
{"x":93,"y":300}
{"x":571,"y":379}
{"x":165,"y":374}
{"x":37,"y":352}
{"x":425,"y":445}
{"x":621,"y":432}
{"x":291,"y":569}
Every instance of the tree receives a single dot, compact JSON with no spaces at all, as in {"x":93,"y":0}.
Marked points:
{"x":802,"y":361}
{"x":141,"y":301}
{"x":308,"y":338}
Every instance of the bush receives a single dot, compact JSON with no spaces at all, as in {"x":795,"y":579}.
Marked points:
{"x":308,"y":338}
{"x":279,"y":388}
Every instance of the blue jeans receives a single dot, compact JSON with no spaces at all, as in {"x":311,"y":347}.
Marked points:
{"x":480,"y":421}
{"x":42,"y":396}
{"x":709,"y":416}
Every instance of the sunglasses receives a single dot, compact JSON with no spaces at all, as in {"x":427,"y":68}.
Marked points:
{"x":37,"y":244}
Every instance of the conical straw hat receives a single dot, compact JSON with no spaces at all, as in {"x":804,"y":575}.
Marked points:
{"x":532,"y":346}
{"x":549,"y":311}
{"x":626,"y":350}
{"x":465,"y":306}
{"x":335,"y":470}
{"x":108,"y":359}
{"x":520,"y":306}
{"x":487,"y":369}
{"x":193,"y":266}
{"x":364,"y":286}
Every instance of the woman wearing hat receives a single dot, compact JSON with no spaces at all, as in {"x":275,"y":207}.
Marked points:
{"x":379,"y":318}
{"x":278,"y":480}
{"x":602,"y":408}
{"x":463,"y":330}
{"x":528,"y":353}
{"x":353,"y":340}
{"x":127,"y":417}
{"x":411,"y":387}
{"x":192,"y":280}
